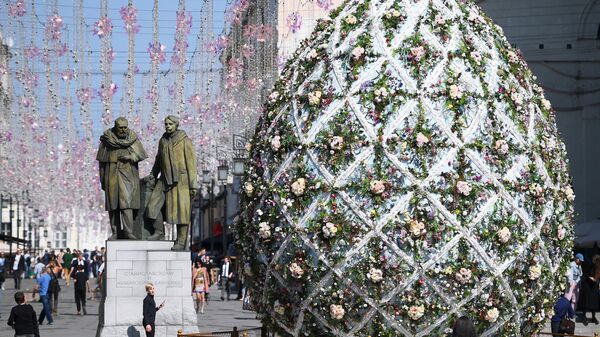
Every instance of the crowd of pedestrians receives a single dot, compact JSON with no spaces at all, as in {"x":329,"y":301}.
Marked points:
{"x":74,"y":267}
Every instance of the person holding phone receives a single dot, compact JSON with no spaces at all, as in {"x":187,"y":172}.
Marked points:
{"x":150,"y":310}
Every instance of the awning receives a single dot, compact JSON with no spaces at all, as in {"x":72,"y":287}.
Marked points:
{"x":12,"y":239}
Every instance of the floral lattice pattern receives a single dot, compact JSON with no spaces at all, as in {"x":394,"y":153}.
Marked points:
{"x":407,"y":170}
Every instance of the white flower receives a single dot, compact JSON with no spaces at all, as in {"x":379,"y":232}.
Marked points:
{"x":417,"y":53}
{"x":463,"y":275}
{"x":504,"y":234}
{"x":455,"y":92}
{"x":416,"y":227}
{"x":296,"y":270}
{"x":276,"y":143}
{"x":535,"y":272}
{"x":264,"y":230}
{"x":416,"y":312}
{"x":249,"y":188}
{"x":337,"y":311}
{"x":312,"y":54}
{"x":351,"y":19}
{"x":476,"y":56}
{"x":492,"y":315}
{"x":512,"y":57}
{"x":546,"y":104}
{"x":376,"y":275}
{"x":502,"y":146}
{"x":421,"y":139}
{"x":314,"y":98}
{"x":517,"y":98}
{"x":463,"y":187}
{"x":273,"y":96}
{"x":440,"y":20}
{"x":336,"y":143}
{"x":394,"y":13}
{"x":561,"y":232}
{"x":358,"y":52}
{"x":536,"y":189}
{"x":569,"y":193}
{"x":377,"y":186}
{"x":381,"y":92}
{"x":299,"y":186}
{"x":329,"y":230}
{"x":473,"y":15}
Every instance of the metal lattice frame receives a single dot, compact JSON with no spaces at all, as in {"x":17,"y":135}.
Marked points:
{"x":415,"y":11}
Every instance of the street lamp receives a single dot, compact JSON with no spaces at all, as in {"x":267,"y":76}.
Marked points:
{"x":238,"y":166}
{"x":222,"y":172}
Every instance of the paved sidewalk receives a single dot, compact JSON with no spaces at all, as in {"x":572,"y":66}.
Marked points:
{"x":218,"y":315}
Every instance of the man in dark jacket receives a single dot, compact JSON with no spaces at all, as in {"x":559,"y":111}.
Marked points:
{"x":22,"y":318}
{"x":150,"y":310}
{"x":18,"y":268}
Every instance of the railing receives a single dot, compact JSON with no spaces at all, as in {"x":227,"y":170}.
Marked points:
{"x":556,"y":334}
{"x":254,"y":332}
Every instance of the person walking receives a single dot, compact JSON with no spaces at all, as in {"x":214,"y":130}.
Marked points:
{"x":149,"y":310}
{"x":43,"y":284}
{"x":2,"y":270}
{"x":38,"y":268}
{"x":2,"y":273}
{"x":199,"y":287}
{"x":18,"y":268}
{"x":562,"y":309}
{"x":81,"y":284}
{"x":27,"y":271}
{"x":67,"y":259}
{"x":589,"y":296}
{"x":574,"y":276}
{"x":22,"y":318}
{"x":54,"y":289}
{"x":226,"y":276}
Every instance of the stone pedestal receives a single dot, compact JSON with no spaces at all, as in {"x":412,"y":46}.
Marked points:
{"x":130,"y":264}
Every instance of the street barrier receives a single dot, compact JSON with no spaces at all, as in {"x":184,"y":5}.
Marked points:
{"x":556,"y":334}
{"x":254,"y":332}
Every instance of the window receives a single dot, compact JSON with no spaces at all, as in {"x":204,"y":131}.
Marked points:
{"x":5,"y":228}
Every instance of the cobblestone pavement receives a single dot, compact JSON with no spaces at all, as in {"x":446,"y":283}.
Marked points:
{"x":219,"y":315}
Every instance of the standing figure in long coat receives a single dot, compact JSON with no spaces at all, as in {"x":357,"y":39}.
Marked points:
{"x":119,"y":153}
{"x":176,"y":163}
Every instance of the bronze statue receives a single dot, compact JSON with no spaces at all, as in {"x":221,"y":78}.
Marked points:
{"x":119,"y":153}
{"x":176,"y":164}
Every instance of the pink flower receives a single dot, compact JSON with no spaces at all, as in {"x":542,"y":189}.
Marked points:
{"x":103,"y":27}
{"x":53,"y":27}
{"x":156,"y":52}
{"x":377,"y":187}
{"x":417,"y":53}
{"x":17,"y":9}
{"x":294,"y":21}
{"x":324,"y":4}
{"x":455,"y":92}
{"x":129,"y":16}
{"x":421,"y":139}
{"x":463,"y":188}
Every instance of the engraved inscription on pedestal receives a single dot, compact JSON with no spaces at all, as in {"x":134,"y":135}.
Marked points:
{"x":127,"y":278}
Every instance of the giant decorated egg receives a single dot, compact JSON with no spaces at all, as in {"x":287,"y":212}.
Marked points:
{"x":407,"y":170}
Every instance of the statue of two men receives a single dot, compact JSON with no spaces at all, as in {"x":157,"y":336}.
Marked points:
{"x":174,"y":170}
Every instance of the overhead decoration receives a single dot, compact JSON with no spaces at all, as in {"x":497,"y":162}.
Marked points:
{"x":407,"y":170}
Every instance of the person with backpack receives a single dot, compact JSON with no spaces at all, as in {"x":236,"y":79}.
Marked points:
{"x":54,"y":288}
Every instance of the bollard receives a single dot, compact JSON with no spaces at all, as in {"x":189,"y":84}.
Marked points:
{"x":235,"y":332}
